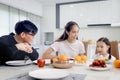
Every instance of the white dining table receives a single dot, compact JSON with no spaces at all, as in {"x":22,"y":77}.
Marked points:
{"x":7,"y":72}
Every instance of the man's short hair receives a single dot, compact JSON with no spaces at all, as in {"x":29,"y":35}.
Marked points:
{"x":25,"y":26}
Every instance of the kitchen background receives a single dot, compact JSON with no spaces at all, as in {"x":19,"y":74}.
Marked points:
{"x":43,"y":14}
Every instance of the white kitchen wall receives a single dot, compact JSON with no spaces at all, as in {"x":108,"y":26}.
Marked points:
{"x":95,"y":33}
{"x":13,"y":18}
{"x":48,"y":20}
{"x":31,"y":6}
{"x":4,"y":20}
{"x":49,"y":25}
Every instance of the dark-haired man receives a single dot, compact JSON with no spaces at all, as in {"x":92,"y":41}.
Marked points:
{"x":17,"y":46}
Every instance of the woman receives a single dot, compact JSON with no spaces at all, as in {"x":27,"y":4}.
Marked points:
{"x":18,"y":46}
{"x":67,"y":44}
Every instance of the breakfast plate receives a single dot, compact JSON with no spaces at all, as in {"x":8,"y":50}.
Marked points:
{"x":62,"y":65}
{"x":48,"y":73}
{"x":18,"y":63}
{"x":47,"y":61}
{"x":79,"y":64}
{"x":108,"y":62}
{"x":35,"y":61}
{"x":100,"y":68}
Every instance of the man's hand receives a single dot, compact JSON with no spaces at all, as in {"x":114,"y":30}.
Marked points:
{"x":24,"y":47}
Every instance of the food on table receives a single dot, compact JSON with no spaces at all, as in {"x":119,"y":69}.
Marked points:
{"x":101,"y":57}
{"x":106,"y":60}
{"x":116,"y":63}
{"x":62,"y":62}
{"x":80,"y":59}
{"x":55,"y":59}
{"x":77,"y":58}
{"x":62,"y":58}
{"x":98,"y":63}
{"x":84,"y":58}
{"x":40,"y":62}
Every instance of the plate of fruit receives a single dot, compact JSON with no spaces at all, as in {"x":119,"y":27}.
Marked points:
{"x":101,"y":57}
{"x":80,"y":59}
{"x":99,"y":65}
{"x":61,"y":62}
{"x":107,"y":61}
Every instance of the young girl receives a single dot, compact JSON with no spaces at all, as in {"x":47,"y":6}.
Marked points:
{"x":67,"y":43}
{"x":103,"y":49}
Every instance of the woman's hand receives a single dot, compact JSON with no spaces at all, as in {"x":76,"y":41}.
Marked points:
{"x":47,"y":54}
{"x":24,"y":47}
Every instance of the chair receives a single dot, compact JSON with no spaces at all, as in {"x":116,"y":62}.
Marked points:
{"x":86,"y":46}
{"x":114,"y":49}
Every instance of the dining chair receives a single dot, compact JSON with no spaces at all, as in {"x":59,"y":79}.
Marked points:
{"x":85,"y":46}
{"x":114,"y":49}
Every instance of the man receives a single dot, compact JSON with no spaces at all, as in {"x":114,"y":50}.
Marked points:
{"x":18,"y":46}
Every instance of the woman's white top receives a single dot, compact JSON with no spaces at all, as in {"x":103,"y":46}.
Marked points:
{"x":69,"y":49}
{"x":105,"y":56}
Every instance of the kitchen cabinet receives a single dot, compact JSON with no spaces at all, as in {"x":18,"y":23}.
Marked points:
{"x":97,"y":12}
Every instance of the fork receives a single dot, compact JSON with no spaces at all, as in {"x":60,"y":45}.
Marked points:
{"x":26,"y":58}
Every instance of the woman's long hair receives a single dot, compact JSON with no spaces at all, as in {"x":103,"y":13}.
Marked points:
{"x":107,"y":42}
{"x":68,"y":28}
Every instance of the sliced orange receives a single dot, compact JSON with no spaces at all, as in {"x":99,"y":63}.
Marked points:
{"x":63,"y":58}
{"x":54,"y":59}
{"x":77,"y":58}
{"x":83,"y":57}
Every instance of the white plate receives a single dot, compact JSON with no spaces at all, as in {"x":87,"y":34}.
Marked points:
{"x":47,"y":61}
{"x":109,"y":62}
{"x":48,"y":73}
{"x":79,"y":64}
{"x":18,"y":62}
{"x":35,"y":61}
{"x":100,"y":69}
